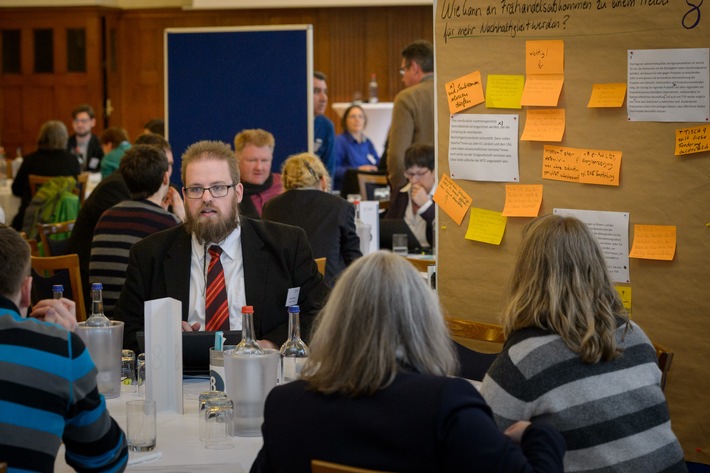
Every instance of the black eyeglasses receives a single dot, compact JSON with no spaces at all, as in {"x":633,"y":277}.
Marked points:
{"x":220,"y":190}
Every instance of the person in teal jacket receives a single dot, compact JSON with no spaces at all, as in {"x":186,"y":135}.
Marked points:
{"x":114,"y":142}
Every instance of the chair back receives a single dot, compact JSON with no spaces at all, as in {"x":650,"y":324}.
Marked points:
{"x":54,"y":237}
{"x":474,"y":364}
{"x":368,"y":183}
{"x":319,"y":466}
{"x":36,"y":182}
{"x":665,"y":358}
{"x":34,"y":247}
{"x":321,"y":265}
{"x":64,"y":270}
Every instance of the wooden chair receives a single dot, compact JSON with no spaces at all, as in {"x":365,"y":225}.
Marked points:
{"x":318,"y":466}
{"x":36,"y":182}
{"x":34,"y":247}
{"x":369,"y":182}
{"x":47,"y":271}
{"x":422,"y":264}
{"x":321,"y":265}
{"x":665,"y":358}
{"x":54,"y":237}
{"x":473,"y":363}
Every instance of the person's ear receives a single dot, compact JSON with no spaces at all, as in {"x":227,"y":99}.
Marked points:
{"x":26,"y":293}
{"x":323,"y":184}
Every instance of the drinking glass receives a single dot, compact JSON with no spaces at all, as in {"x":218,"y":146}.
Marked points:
{"x":219,"y":415}
{"x":399,"y":244}
{"x":204,"y":397}
{"x":141,"y":425}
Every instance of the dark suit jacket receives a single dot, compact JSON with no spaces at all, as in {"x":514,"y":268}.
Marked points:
{"x":94,"y":150}
{"x":108,"y":193}
{"x":329,"y":223}
{"x":398,"y":207}
{"x":276,"y":257}
{"x":419,"y":423}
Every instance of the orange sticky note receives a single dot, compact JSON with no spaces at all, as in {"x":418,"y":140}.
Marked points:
{"x":504,"y":91}
{"x":542,"y":90}
{"x":486,"y":226}
{"x":654,"y":242}
{"x":598,"y":166}
{"x":545,"y":57}
{"x":607,"y":95}
{"x":692,"y":140}
{"x":452,"y":199}
{"x":560,"y":164}
{"x":522,"y":200}
{"x":464,"y":92}
{"x":544,"y":125}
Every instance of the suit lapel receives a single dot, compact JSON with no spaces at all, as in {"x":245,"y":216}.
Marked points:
{"x":256,"y":268}
{"x":176,"y":268}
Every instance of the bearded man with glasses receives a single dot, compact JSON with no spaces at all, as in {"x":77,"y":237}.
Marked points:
{"x":219,"y":260}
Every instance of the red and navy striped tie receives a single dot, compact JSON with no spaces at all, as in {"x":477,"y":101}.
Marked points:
{"x":216,"y":304}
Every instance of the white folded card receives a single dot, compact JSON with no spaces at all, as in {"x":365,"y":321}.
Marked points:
{"x":163,"y":354}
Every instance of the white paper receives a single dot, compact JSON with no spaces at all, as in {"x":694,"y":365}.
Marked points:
{"x":292,"y":296}
{"x":370,"y":214}
{"x":668,"y":85}
{"x":484,"y":147}
{"x":163,"y":354}
{"x":612,"y":232}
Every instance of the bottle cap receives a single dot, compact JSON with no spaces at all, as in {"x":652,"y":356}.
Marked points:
{"x":97,"y":286}
{"x":57,"y":288}
{"x":293,"y":309}
{"x":247,"y":309}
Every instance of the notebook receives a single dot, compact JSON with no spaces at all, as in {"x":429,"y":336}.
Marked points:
{"x":196,"y":349}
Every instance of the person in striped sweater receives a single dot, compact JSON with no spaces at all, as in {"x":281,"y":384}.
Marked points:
{"x":146,"y":173}
{"x":48,"y":392}
{"x":573,"y":358}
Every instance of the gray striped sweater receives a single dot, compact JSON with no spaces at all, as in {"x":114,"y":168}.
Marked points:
{"x":613,"y":415}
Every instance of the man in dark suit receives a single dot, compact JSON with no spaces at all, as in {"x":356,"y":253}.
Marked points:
{"x":263,"y":262}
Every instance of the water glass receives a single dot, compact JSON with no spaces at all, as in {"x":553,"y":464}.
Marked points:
{"x":128,"y":371}
{"x":140,"y":375}
{"x":399,"y":244}
{"x":219,"y":417}
{"x":204,"y":397}
{"x":141,"y":425}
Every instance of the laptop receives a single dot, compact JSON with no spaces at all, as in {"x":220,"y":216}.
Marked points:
{"x":390,"y":226}
{"x":196,"y":349}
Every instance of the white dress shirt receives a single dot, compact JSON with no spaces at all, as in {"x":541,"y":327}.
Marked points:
{"x":233,"y":265}
{"x":415,"y":221}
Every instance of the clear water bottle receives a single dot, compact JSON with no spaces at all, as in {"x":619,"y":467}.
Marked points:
{"x":294,"y":352}
{"x":248,"y":345}
{"x":372,"y":89}
{"x":97,"y":319}
{"x":364,"y":231}
{"x":57,"y":291}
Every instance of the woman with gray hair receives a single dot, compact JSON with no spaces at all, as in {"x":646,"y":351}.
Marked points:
{"x":328,"y":220}
{"x":376,"y":391}
{"x":573,"y":358}
{"x":50,"y":159}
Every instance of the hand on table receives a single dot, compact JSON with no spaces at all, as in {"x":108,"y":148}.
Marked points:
{"x":57,"y":311}
{"x":186,"y":327}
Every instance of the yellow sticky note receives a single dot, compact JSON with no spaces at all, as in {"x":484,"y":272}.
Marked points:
{"x":598,"y":166}
{"x":625,"y":294}
{"x":545,"y":57}
{"x":654,"y":242}
{"x":464,"y":92}
{"x":522,"y":200}
{"x":452,"y":199}
{"x":544,"y":125}
{"x":692,"y":140}
{"x":607,"y":95}
{"x":486,"y":226}
{"x":542,"y":90}
{"x":504,"y":91}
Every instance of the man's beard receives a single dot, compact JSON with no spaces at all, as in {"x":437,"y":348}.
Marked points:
{"x":212,"y":230}
{"x":83,"y":134}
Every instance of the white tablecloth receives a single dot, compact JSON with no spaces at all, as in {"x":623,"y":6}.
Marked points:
{"x":8,"y":202}
{"x":178,"y":441}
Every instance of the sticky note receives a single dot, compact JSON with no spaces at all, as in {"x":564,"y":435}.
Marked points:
{"x":464,"y":92}
{"x":504,"y":91}
{"x":522,"y":200}
{"x":542,"y":90}
{"x":654,"y":242}
{"x":486,"y":226}
{"x":692,"y":140}
{"x":452,"y":199}
{"x":585,"y":166}
{"x":545,"y":57}
{"x":544,"y":125}
{"x":607,"y":95}
{"x":625,"y":294}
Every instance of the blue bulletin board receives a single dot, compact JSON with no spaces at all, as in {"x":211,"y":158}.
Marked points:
{"x":219,"y":81}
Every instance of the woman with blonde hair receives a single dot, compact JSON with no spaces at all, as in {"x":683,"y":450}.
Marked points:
{"x":376,"y":391}
{"x":328,"y":220}
{"x":572,"y":357}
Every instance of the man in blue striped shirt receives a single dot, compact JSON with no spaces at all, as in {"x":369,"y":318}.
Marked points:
{"x":48,"y":392}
